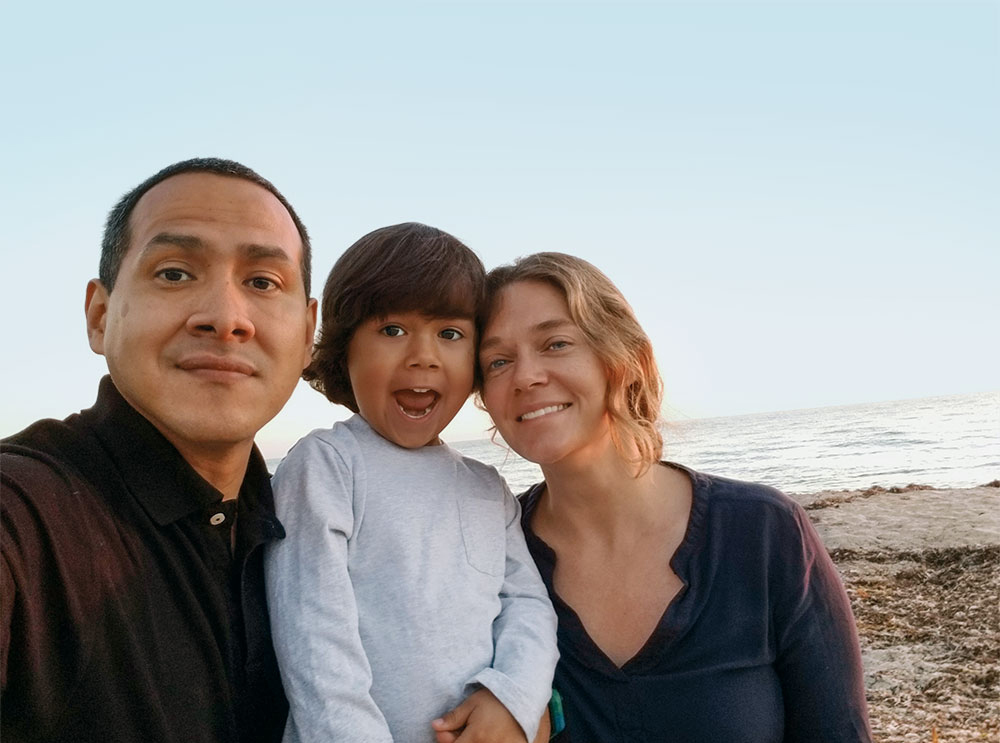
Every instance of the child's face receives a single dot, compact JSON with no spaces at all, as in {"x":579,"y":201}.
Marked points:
{"x":411,"y":374}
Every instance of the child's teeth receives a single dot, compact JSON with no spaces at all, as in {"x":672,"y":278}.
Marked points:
{"x":420,"y":414}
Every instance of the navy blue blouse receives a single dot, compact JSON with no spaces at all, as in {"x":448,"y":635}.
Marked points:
{"x":758,"y":646}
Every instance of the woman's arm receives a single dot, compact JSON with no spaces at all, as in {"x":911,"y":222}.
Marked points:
{"x":818,"y":655}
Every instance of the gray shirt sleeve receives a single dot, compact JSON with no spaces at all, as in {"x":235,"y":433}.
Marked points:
{"x":524,"y":634}
{"x":314,"y":615}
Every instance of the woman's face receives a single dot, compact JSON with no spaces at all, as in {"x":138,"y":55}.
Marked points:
{"x":544,"y":386}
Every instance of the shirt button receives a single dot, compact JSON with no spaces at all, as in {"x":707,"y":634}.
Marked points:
{"x":217,"y":519}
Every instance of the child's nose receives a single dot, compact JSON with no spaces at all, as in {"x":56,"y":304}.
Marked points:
{"x":422,"y":352}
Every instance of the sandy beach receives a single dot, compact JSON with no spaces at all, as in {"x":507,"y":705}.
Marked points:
{"x":922,"y":568}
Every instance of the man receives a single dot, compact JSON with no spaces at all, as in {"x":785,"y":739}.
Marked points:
{"x":132,"y":533}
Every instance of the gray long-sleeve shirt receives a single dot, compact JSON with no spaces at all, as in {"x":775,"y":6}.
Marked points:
{"x":403,"y":582}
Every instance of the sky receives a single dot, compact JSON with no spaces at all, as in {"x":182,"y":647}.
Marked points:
{"x":799,"y":199}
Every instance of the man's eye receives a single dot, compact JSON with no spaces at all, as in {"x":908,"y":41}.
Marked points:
{"x":174,"y":275}
{"x":495,"y":364}
{"x":262,"y":284}
{"x":451,"y":334}
{"x":392,"y":331}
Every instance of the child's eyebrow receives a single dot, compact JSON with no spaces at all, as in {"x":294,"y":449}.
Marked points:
{"x":452,"y":318}
{"x":457,"y":314}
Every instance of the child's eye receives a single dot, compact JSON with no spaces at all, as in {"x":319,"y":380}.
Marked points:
{"x":451,"y":334}
{"x":393,"y":331}
{"x":174,"y":275}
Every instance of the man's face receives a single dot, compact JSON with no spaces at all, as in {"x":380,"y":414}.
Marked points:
{"x":208,"y":327}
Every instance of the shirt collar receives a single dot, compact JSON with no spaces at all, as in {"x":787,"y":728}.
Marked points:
{"x":166,"y":486}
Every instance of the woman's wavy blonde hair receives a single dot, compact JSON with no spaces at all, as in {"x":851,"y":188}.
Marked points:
{"x":635,"y":389}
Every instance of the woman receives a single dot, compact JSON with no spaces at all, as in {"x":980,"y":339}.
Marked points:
{"x":691,"y":607}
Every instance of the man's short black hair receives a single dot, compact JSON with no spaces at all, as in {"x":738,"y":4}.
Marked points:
{"x":117,"y":234}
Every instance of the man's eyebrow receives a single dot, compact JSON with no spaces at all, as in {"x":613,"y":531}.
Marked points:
{"x":192,"y":242}
{"x":255,"y":250}
{"x":542,"y":327}
{"x":187,"y":242}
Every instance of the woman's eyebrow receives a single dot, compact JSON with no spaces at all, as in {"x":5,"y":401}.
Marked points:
{"x":545,"y":325}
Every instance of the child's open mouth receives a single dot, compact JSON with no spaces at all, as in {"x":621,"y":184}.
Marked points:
{"x":417,"y":402}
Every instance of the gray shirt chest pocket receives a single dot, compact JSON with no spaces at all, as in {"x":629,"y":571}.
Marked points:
{"x":484,"y":532}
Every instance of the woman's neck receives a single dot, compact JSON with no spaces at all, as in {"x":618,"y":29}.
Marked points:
{"x":603,"y":499}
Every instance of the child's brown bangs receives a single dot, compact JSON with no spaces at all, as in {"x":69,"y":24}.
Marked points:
{"x":441,"y":296}
{"x":432,"y":288}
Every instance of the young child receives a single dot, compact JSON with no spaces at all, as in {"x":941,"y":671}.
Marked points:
{"x":403,"y":584}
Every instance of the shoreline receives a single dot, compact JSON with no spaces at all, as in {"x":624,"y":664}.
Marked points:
{"x":922,"y":569}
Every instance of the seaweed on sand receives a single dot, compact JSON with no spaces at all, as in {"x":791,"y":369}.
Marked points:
{"x":929,"y":623}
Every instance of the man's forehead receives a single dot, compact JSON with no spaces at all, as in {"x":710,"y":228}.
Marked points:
{"x":227,"y":203}
{"x":209,"y":189}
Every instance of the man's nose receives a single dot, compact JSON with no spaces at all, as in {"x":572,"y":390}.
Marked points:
{"x":223,"y":311}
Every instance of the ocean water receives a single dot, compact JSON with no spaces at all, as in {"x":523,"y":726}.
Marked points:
{"x":949,"y":441}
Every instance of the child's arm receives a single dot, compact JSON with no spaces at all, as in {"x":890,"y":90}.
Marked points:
{"x":314,"y":616}
{"x":482,"y":718}
{"x":524,"y":633}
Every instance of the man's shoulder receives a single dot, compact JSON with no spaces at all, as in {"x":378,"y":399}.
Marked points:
{"x":56,"y":439}
{"x":26,"y":469}
{"x":47,"y":465}
{"x":45,"y":449}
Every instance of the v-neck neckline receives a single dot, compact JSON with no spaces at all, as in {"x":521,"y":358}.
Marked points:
{"x":676,"y":616}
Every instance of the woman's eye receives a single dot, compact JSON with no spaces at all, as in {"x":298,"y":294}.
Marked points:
{"x":393,"y":331}
{"x":451,"y":334}
{"x":556,"y":345}
{"x":495,"y":364}
{"x":174,"y":275}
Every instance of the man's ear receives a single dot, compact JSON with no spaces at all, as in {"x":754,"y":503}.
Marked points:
{"x":310,"y":332}
{"x":96,"y":308}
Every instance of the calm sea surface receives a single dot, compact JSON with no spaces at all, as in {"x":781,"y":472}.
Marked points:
{"x":942,"y":441}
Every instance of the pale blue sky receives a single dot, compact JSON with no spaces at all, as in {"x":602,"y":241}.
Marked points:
{"x":799,"y":199}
